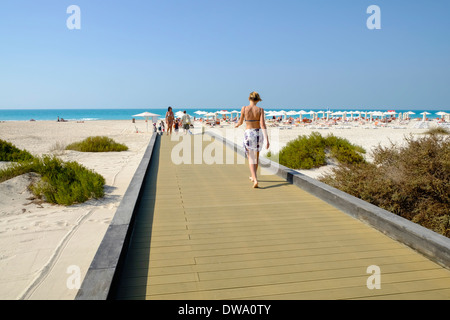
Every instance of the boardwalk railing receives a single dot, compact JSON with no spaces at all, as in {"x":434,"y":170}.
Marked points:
{"x":100,"y":278}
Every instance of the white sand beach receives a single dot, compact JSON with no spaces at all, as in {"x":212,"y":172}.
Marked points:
{"x":39,"y":242}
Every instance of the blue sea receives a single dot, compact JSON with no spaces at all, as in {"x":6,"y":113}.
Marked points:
{"x":127,"y":114}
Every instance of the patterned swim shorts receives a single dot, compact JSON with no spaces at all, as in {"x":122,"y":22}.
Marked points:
{"x":253,"y":140}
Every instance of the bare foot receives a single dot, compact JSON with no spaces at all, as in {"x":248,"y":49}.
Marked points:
{"x":255,"y":184}
{"x":251,"y":179}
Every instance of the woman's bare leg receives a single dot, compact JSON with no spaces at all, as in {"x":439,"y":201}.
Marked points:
{"x":253,"y":165}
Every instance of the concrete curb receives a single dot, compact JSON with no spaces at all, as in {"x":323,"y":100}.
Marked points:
{"x":430,"y":244}
{"x":100,"y":277}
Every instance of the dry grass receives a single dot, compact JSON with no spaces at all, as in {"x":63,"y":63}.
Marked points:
{"x":412,"y":181}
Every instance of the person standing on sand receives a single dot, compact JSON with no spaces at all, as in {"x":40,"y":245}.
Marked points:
{"x":255,"y":133}
{"x":186,"y":121}
{"x":169,"y":120}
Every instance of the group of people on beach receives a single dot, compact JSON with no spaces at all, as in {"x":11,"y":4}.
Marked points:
{"x":174,"y":124}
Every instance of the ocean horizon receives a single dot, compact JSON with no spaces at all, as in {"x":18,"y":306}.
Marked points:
{"x":128,"y":114}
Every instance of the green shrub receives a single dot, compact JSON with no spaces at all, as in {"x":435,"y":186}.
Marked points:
{"x":9,"y":152}
{"x":412,"y":181}
{"x":64,"y":183}
{"x":97,"y":144}
{"x":16,"y":169}
{"x":307,"y":152}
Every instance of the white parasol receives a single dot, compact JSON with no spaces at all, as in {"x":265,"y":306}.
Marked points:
{"x":147,"y":115}
{"x":424,"y":115}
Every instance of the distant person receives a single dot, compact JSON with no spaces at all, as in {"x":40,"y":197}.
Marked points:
{"x":255,"y":133}
{"x":160,"y":128}
{"x":169,"y":120}
{"x":176,"y":126}
{"x":186,"y":121}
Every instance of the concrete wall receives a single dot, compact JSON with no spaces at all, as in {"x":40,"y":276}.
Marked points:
{"x":105,"y":267}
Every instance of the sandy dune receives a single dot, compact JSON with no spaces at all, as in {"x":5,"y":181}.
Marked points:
{"x":41,"y":245}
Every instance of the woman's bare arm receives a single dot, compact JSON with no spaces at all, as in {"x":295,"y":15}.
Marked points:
{"x":241,"y":119}
{"x":262,"y":120}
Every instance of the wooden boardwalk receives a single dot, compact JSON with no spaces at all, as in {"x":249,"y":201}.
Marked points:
{"x":202,"y":232}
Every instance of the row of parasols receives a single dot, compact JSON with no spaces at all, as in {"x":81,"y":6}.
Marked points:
{"x":313,"y":114}
{"x":327,"y":114}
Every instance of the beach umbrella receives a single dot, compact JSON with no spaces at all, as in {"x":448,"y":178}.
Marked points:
{"x":337,"y":113}
{"x":179,"y":114}
{"x":283,"y":114}
{"x":210,"y":114}
{"x":377,"y":114}
{"x":147,"y":115}
{"x":351,"y":114}
{"x":200,"y":113}
{"x":442,"y":113}
{"x":424,"y":115}
{"x":234,"y":111}
{"x":301,"y":113}
{"x":408,"y":114}
{"x":321,"y":111}
{"x":277,"y":113}
{"x":223,"y":112}
{"x":389,"y":113}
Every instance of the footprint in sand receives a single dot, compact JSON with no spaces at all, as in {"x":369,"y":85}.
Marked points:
{"x":62,"y":223}
{"x":112,"y":206}
{"x":5,"y":257}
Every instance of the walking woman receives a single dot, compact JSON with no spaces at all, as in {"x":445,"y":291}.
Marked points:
{"x":169,"y":120}
{"x":255,"y":133}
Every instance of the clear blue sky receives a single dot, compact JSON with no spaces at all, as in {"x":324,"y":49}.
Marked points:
{"x":211,"y":53}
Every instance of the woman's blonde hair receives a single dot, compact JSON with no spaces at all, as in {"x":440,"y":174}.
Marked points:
{"x":254,"y":96}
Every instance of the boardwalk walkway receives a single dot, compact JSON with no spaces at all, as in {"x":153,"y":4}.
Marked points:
{"x":202,"y":232}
